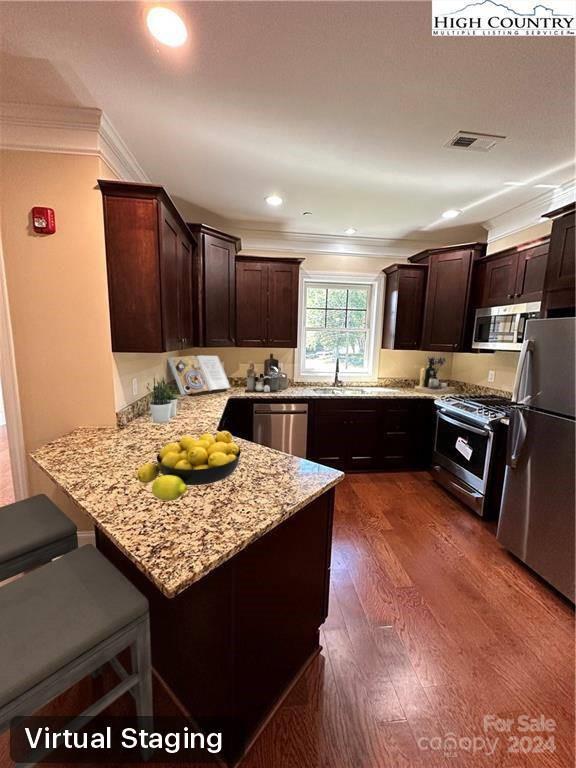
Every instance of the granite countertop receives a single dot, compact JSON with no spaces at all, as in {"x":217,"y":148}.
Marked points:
{"x":176,"y":543}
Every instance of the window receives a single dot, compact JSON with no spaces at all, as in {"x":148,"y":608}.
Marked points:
{"x":338,"y":321}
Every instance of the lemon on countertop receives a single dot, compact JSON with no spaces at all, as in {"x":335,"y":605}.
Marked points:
{"x":147,"y":472}
{"x":168,"y":487}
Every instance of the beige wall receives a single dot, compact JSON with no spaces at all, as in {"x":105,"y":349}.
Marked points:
{"x":541,"y":229}
{"x":58,"y":297}
{"x":474,"y":369}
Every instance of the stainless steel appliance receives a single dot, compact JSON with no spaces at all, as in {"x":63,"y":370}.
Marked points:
{"x":469,"y":444}
{"x":538,"y":505}
{"x":502,"y":328}
{"x":283,"y":426}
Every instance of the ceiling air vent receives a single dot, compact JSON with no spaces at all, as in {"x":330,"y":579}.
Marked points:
{"x":474,"y":142}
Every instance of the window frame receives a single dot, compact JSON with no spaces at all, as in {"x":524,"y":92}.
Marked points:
{"x":373,"y":326}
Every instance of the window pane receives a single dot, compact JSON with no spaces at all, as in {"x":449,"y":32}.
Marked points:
{"x":315,"y":318}
{"x":316,"y":297}
{"x":321,"y":347}
{"x":356,"y":355}
{"x":335,"y":318}
{"x":337,"y":298}
{"x":356,"y":319}
{"x":358,"y":298}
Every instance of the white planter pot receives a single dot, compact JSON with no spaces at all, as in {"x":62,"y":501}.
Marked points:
{"x":161,"y":413}
{"x":174,"y":406}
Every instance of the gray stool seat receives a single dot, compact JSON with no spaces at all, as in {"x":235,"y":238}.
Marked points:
{"x":33,"y":532}
{"x":55,"y":614}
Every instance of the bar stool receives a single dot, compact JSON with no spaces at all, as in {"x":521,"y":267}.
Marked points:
{"x":62,"y":622}
{"x":33,"y":532}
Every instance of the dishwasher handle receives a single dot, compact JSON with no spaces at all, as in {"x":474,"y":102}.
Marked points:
{"x":280,"y":408}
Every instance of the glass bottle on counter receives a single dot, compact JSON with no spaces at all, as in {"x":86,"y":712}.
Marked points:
{"x":250,"y":378}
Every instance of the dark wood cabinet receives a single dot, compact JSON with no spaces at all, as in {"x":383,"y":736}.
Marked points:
{"x":266,"y":302}
{"x":447,"y":304}
{"x":404,"y":306}
{"x":371,"y":434}
{"x":214,"y":282}
{"x":148,"y":258}
{"x":513,"y":276}
{"x":560,"y":281}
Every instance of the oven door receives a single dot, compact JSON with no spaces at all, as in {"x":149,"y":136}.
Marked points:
{"x":463,"y":449}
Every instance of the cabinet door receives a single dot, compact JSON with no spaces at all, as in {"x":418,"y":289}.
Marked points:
{"x":282,"y":304}
{"x":251,"y":304}
{"x":561,"y":260}
{"x":219,"y":292}
{"x":170,"y":268}
{"x":186,"y":313}
{"x":447,"y":301}
{"x":406,"y":436}
{"x":131,"y":227}
{"x":498,"y":285}
{"x":530,"y":273}
{"x":347,"y":434}
{"x":405,"y":290}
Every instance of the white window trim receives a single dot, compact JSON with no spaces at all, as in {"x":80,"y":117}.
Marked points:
{"x":376,"y":282}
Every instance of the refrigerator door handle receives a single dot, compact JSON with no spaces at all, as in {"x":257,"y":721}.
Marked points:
{"x":527,"y":348}
{"x":516,"y":439}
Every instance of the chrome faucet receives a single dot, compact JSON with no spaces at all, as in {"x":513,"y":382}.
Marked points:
{"x":337,"y":382}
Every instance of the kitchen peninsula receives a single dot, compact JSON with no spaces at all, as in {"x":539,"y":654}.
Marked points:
{"x":236,"y":572}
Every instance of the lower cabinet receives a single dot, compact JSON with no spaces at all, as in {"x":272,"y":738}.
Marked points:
{"x":379,"y":434}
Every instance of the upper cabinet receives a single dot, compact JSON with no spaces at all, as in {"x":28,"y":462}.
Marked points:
{"x":513,"y":276}
{"x":266,"y":302}
{"x":446,"y":308}
{"x":404,"y":306}
{"x":148,"y":258}
{"x":215,"y":286}
{"x":560,"y":282}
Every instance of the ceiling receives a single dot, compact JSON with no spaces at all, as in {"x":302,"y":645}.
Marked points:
{"x":341,"y":108}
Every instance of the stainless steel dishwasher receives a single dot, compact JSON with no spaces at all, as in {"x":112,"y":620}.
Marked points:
{"x":283,"y":426}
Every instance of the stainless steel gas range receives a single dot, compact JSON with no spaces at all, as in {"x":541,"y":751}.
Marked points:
{"x":469,"y":449}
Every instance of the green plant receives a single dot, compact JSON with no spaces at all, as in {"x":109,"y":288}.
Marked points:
{"x":173,"y":388}
{"x":161,"y":394}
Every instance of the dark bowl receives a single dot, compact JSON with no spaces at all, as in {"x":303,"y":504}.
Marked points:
{"x":200,"y":476}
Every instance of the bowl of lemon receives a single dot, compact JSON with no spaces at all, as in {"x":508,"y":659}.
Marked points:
{"x":190,"y":461}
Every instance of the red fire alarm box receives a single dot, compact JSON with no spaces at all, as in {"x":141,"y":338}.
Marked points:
{"x":43,"y":220}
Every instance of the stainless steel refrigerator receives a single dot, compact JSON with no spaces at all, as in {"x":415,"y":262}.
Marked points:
{"x":538,"y":504}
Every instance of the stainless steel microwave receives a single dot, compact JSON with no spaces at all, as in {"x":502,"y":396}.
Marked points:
{"x":502,"y":328}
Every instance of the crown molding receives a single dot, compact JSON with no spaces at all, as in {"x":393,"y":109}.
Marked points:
{"x":68,"y":131}
{"x":262,"y":242}
{"x":529,"y":213}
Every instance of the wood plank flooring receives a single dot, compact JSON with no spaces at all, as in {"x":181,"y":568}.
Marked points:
{"x":432,"y":627}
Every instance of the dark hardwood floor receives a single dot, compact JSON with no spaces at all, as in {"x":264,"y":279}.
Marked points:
{"x":432,"y":627}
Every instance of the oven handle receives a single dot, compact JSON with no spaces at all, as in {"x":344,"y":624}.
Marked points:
{"x":469,"y":427}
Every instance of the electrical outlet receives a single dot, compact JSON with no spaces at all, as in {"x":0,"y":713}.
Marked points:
{"x":134,"y":386}
{"x":491,"y":377}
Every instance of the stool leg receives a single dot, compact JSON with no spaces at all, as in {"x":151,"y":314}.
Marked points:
{"x":142,"y":665}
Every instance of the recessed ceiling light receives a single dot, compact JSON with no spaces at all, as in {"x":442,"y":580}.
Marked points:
{"x":514,"y":183}
{"x":547,"y":186}
{"x":166,"y":26}
{"x":306,"y":213}
{"x":451,"y":213}
{"x":350,"y":231}
{"x":274,"y":200}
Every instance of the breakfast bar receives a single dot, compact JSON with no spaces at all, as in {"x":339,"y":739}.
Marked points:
{"x":236,"y":572}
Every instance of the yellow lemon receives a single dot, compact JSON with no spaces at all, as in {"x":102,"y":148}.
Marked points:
{"x":147,"y":472}
{"x":231,"y":457}
{"x":201,"y":466}
{"x":187,"y":442}
{"x":168,"y":487}
{"x":207,"y":437}
{"x":224,"y":436}
{"x":217,"y":459}
{"x":183,"y":464}
{"x":217,"y":448}
{"x":171,"y":459}
{"x":233,"y":449}
{"x":198,"y":455}
{"x":169,"y":448}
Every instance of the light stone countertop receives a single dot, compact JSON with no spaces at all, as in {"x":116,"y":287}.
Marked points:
{"x":176,"y":543}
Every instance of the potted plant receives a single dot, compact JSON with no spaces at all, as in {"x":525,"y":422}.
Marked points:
{"x":174,"y":392}
{"x":161,"y":404}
